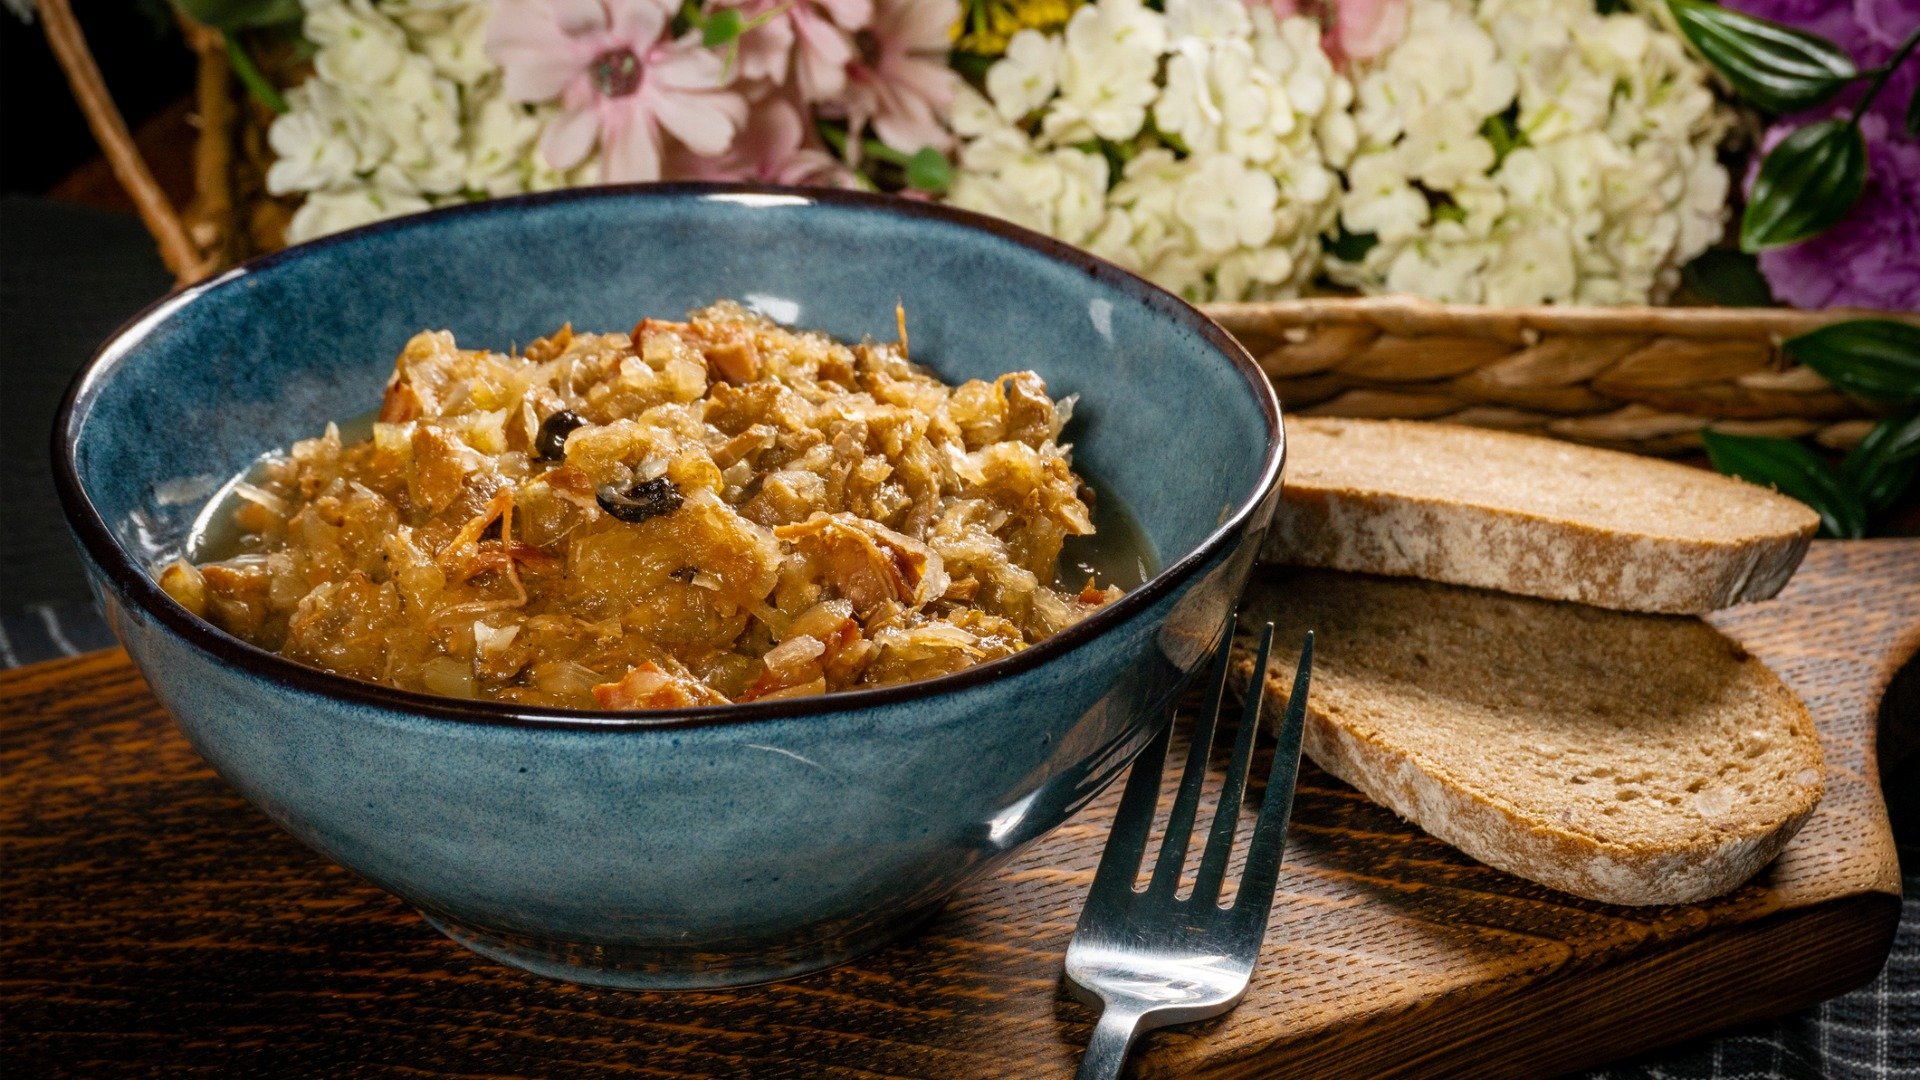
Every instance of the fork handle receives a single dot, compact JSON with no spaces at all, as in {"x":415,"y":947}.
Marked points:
{"x":1112,"y":1037}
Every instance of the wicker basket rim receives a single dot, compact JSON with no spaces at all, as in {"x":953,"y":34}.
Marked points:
{"x":1413,"y":316}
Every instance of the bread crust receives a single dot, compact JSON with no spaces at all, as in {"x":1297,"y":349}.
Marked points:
{"x":1358,"y":527}
{"x":1487,"y":548}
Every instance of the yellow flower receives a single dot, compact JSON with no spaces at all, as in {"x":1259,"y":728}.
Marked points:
{"x":986,"y":26}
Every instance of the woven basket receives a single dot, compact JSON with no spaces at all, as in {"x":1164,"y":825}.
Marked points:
{"x":1639,"y":378}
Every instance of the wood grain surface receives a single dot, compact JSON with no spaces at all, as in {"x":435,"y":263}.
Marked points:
{"x":157,"y":925}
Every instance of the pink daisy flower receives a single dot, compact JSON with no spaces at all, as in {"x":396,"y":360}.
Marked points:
{"x":1355,"y":30}
{"x":899,"y":82}
{"x":620,"y":80}
{"x":811,"y":38}
{"x":773,"y":148}
{"x":1365,"y":29}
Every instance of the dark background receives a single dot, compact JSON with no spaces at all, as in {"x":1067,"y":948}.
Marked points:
{"x":74,"y":261}
{"x":146,"y":65}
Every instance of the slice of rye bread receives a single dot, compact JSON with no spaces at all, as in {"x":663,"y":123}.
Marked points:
{"x":1626,"y":758}
{"x":1530,"y":515}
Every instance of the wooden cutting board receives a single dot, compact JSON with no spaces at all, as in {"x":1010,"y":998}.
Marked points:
{"x":158,"y":924}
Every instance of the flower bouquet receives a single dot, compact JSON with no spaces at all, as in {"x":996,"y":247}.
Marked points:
{"x":1473,"y":209}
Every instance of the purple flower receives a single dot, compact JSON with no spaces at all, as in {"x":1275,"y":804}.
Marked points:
{"x":1871,"y":259}
{"x":1836,"y":20}
{"x":1869,"y":30}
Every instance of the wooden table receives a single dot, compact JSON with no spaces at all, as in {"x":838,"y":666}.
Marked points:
{"x":157,"y":924}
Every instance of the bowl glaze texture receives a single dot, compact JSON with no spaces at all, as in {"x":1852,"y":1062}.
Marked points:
{"x":704,"y":847}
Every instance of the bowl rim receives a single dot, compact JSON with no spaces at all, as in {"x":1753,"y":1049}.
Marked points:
{"x":138,"y":585}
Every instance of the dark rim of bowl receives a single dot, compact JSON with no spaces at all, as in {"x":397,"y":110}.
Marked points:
{"x":137,"y":583}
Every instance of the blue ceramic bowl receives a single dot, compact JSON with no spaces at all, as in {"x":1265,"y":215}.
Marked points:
{"x":718,"y":845}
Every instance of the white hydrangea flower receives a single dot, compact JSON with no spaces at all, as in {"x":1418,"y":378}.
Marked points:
{"x":1218,"y":100}
{"x":1532,"y":265}
{"x":326,"y":212}
{"x":1225,"y":196}
{"x":421,"y":111}
{"x":1150,"y":188}
{"x":987,"y":193}
{"x":1445,"y":149}
{"x":1080,"y":202}
{"x":1382,"y":201}
{"x":1227,"y":204}
{"x":1532,"y":151}
{"x":1001,"y":150}
{"x":501,"y":141}
{"x":1109,"y":60}
{"x":1705,"y":186}
{"x":1312,"y":87}
{"x":1201,"y":22}
{"x":320,"y":143}
{"x":1027,"y":77}
{"x":1114,"y":239}
{"x":973,"y":114}
{"x":454,"y":37}
{"x":541,"y":176}
{"x":406,"y":10}
{"x":1251,"y":270}
{"x":358,"y":47}
{"x":1060,"y":191}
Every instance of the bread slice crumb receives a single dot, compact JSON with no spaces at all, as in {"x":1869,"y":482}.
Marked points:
{"x":1630,"y":759}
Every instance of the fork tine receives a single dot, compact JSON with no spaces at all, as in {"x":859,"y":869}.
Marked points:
{"x":1255,"y":898}
{"x":1179,"y":834}
{"x":1132,"y":824}
{"x":1226,"y":818}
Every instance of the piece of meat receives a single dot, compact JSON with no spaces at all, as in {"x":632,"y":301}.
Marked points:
{"x":441,"y":464}
{"x":868,"y":563}
{"x":1029,"y":409}
{"x":186,"y":585}
{"x":238,"y":595}
{"x":648,"y":686}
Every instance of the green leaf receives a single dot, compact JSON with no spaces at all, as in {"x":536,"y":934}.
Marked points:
{"x":723,"y":27}
{"x":1776,"y":67}
{"x":1503,"y":131}
{"x":258,"y":86}
{"x":1793,"y":470}
{"x":1729,"y":277}
{"x":685,"y":18}
{"x":1875,"y":358}
{"x":1885,"y":463}
{"x":971,"y":66}
{"x":834,"y":134}
{"x":1806,"y":185}
{"x":233,"y":15}
{"x":929,"y":170}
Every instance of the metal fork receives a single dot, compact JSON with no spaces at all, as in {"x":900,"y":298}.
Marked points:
{"x":1148,"y":957}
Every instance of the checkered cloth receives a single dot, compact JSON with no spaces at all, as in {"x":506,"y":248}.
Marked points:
{"x":1870,"y":1034}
